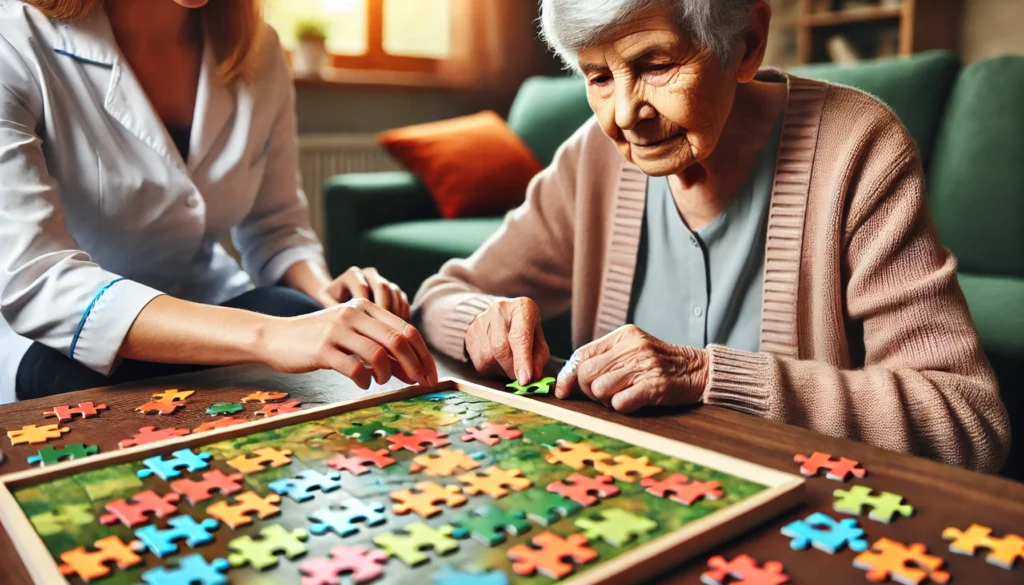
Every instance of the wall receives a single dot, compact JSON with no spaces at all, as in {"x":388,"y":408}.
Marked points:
{"x":355,"y":109}
{"x":992,"y":27}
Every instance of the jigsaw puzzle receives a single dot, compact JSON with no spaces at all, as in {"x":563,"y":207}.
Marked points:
{"x":911,"y":565}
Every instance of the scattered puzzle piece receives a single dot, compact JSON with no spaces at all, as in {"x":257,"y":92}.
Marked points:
{"x":745,"y":570}
{"x":220,"y":423}
{"x":213,"y":481}
{"x":446,"y":463}
{"x":246,"y":505}
{"x":490,"y":524}
{"x":616,"y":527}
{"x":361,"y":564}
{"x":150,"y":434}
{"x":626,"y":468}
{"x":682,"y":490}
{"x":576,"y":455}
{"x":262,"y":553}
{"x":1003,"y":552}
{"x":162,"y":542}
{"x":265,"y":397}
{"x":173,"y":395}
{"x":494,"y":482}
{"x":192,"y":570}
{"x":89,"y":566}
{"x":419,"y":536}
{"x":157,"y":407}
{"x":224,"y":408}
{"x":34,"y":435}
{"x":356,"y":463}
{"x":415,"y":441}
{"x":68,"y":516}
{"x":345,"y":518}
{"x":883,"y":507}
{"x":449,"y":576}
{"x":838,"y":469}
{"x":490,"y":433}
{"x":66,"y":413}
{"x":911,"y":565}
{"x":171,"y":468}
{"x":368,"y":431}
{"x":585,"y":490}
{"x":538,"y":387}
{"x":272,"y":410}
{"x":260,"y":459}
{"x":300,"y":488}
{"x":49,"y":455}
{"x":142,"y":504}
{"x":825,"y":534}
{"x":550,"y":435}
{"x":423,"y":499}
{"x":549,"y":554}
{"x":546,"y":508}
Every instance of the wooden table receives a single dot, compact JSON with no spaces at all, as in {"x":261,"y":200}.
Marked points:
{"x":943,"y":496}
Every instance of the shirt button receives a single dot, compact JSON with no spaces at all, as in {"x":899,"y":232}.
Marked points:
{"x":697,"y":311}
{"x":192,"y":201}
{"x":693,"y":240}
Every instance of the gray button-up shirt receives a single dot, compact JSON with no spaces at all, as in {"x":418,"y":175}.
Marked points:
{"x":703,"y":287}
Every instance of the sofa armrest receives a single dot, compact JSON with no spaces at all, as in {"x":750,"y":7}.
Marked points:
{"x":358,"y":202}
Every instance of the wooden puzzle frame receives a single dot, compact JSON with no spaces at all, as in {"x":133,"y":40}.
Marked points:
{"x":783,"y":490}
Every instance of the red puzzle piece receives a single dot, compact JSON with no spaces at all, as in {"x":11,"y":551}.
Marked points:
{"x":228,"y":421}
{"x":490,"y":433}
{"x":213,"y":481}
{"x":66,"y":413}
{"x":838,"y":470}
{"x":150,"y":435}
{"x":157,"y":407}
{"x":137,"y":512}
{"x":549,"y":553}
{"x":360,"y":457}
{"x":416,"y":440}
{"x":745,"y":570}
{"x":683,"y":490}
{"x":93,"y":565}
{"x":580,"y":487}
{"x":276,"y":409}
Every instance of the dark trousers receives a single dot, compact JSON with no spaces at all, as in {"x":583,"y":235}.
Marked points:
{"x":46,"y":372}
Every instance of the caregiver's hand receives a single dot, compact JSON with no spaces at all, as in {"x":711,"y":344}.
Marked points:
{"x":366,"y":283}
{"x":507,"y":339}
{"x":339,"y":337}
{"x":629,"y":369}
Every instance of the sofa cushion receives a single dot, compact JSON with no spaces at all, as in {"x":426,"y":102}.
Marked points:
{"x":547,"y":111}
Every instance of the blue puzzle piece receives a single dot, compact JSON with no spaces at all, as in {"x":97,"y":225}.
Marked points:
{"x":449,"y":576}
{"x":439,"y":396}
{"x":344,"y":519}
{"x":825,"y":534}
{"x":162,"y":542}
{"x":192,"y":570}
{"x":171,"y":468}
{"x":300,"y":487}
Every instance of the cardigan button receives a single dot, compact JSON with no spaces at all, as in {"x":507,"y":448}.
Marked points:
{"x":697,"y":312}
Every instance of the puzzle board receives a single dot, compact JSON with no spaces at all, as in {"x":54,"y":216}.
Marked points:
{"x":356,"y":481}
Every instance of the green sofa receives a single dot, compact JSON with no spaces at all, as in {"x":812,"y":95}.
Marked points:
{"x":968,"y":123}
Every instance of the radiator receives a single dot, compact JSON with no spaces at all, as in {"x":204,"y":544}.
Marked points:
{"x":322,"y":156}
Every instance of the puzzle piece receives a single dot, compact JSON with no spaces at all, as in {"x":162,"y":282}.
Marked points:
{"x":272,"y":410}
{"x":550,"y":435}
{"x":490,"y":433}
{"x":682,"y":490}
{"x":262,"y":553}
{"x":93,"y":565}
{"x":66,"y":413}
{"x":150,"y":434}
{"x":220,"y":423}
{"x":362,"y":565}
{"x":415,"y":441}
{"x":224,"y":408}
{"x":171,"y":468}
{"x":883,"y":507}
{"x":1003,"y":552}
{"x":744,"y":569}
{"x":549,"y":555}
{"x":49,"y":455}
{"x":616,"y":527}
{"x":449,"y":576}
{"x":356,"y":463}
{"x":240,"y":513}
{"x":838,"y":469}
{"x":260,"y":460}
{"x":494,"y":482}
{"x":192,"y":570}
{"x":580,"y":487}
{"x":345,"y":518}
{"x":546,"y":508}
{"x":825,"y":534}
{"x":264,"y":397}
{"x":173,"y":395}
{"x":423,"y":499}
{"x":446,"y":463}
{"x":34,"y":435}
{"x":142,"y":504}
{"x":576,"y":455}
{"x":300,"y":487}
{"x":628,"y":468}
{"x":213,"y":481}
{"x":162,"y":542}
{"x":489,"y":525}
{"x":368,"y":431}
{"x":539,"y":387}
{"x":419,"y":536}
{"x":68,"y":516}
{"x":911,"y":565}
{"x":157,"y":407}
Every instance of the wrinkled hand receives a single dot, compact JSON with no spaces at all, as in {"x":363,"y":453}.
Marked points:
{"x":366,"y":283}
{"x":629,"y":369}
{"x":507,"y":339}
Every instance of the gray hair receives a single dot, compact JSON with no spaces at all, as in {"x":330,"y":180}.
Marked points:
{"x":569,"y":26}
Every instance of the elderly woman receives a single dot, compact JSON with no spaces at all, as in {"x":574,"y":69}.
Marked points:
{"x":730,"y":237}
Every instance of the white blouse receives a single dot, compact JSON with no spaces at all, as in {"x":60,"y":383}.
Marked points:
{"x":99,"y":213}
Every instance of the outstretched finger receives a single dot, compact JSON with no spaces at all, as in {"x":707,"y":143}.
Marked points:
{"x":349,"y":367}
{"x":521,"y":337}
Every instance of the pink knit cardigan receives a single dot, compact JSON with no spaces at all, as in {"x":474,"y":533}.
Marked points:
{"x":865,"y":333}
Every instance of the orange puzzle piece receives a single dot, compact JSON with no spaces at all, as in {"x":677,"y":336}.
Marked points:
{"x":276,"y":409}
{"x":494,"y":482}
{"x":228,"y":421}
{"x":93,"y":565}
{"x":173,"y":395}
{"x":264,"y":397}
{"x":681,"y":489}
{"x":34,"y":435}
{"x":426,"y":495}
{"x":262,"y":458}
{"x":628,"y":468}
{"x":246,"y":504}
{"x":889,"y":559}
{"x":1003,"y":552}
{"x":445,"y":463}
{"x":549,"y":554}
{"x":158,"y":407}
{"x":576,"y":455}
{"x":66,"y":413}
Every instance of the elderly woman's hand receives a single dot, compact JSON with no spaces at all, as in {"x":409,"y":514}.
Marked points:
{"x":507,"y":339}
{"x":629,"y":369}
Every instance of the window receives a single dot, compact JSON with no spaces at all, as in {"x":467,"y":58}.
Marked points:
{"x":395,"y":35}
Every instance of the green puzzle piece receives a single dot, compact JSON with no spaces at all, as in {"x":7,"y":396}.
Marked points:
{"x":549,"y":435}
{"x":538,"y":387}
{"x":420,"y":536}
{"x":883,"y":507}
{"x":617,"y":527}
{"x":224,"y":408}
{"x":489,"y":524}
{"x":49,"y":455}
{"x":368,"y":431}
{"x":67,"y":516}
{"x":262,"y":554}
{"x":545,"y":508}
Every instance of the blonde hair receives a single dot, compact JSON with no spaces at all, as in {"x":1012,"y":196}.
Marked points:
{"x":234,"y":27}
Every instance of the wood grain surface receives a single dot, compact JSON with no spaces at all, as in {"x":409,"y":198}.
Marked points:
{"x":943,"y":496}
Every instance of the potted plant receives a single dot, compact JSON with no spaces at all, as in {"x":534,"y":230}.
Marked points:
{"x":310,"y":55}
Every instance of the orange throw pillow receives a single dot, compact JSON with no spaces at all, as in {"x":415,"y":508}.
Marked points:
{"x":473,"y":165}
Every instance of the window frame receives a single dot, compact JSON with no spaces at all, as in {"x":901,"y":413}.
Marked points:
{"x":375,"y":58}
